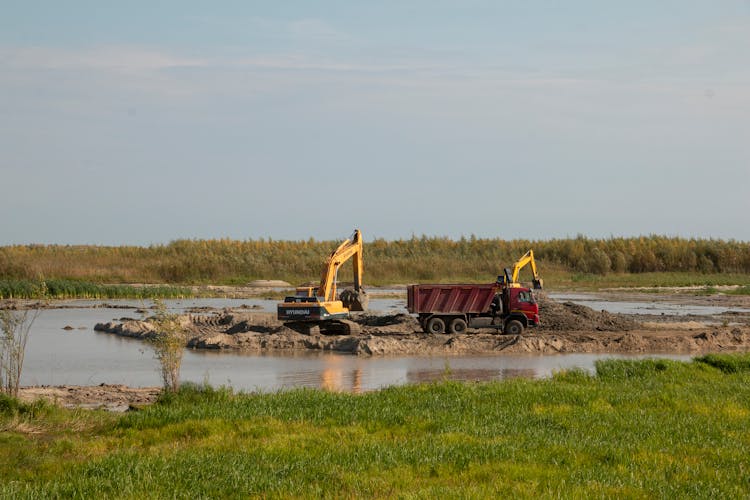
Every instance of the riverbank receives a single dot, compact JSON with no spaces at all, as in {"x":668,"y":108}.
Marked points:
{"x":110,"y":397}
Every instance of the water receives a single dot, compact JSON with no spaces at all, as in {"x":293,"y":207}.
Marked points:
{"x":81,"y":356}
{"x":654,"y":308}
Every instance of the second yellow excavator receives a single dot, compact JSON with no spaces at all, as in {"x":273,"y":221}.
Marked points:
{"x":511,"y":276}
{"x":318,"y":309}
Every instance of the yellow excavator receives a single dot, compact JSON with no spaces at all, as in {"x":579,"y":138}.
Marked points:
{"x":511,"y":276}
{"x":318,"y":309}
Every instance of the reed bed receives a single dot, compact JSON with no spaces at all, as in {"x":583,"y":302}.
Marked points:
{"x":418,"y":259}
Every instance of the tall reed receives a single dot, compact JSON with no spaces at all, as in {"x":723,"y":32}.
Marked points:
{"x":415,"y":259}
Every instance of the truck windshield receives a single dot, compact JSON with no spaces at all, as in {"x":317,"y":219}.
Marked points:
{"x":526,"y":297}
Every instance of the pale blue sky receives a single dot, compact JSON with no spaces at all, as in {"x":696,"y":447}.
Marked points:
{"x":145,"y":122}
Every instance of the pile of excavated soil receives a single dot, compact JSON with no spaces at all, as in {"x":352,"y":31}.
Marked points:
{"x":385,"y":323}
{"x":567,"y":316}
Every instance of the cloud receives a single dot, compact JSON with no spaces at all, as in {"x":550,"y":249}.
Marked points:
{"x":315,"y":29}
{"x":111,"y":58}
{"x":161,"y":72}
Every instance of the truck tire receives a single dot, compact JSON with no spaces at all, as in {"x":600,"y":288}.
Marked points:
{"x":457,"y":325}
{"x":435,"y":325}
{"x":513,"y":327}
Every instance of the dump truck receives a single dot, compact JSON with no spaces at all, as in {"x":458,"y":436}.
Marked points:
{"x":505,"y":305}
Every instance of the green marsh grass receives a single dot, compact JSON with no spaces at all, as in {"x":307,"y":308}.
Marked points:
{"x":74,"y":289}
{"x":650,"y":428}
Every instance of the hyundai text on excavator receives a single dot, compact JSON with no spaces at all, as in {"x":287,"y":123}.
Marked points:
{"x":318,"y":309}
{"x":505,"y":305}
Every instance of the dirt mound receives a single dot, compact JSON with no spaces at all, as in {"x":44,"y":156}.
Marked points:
{"x":404,"y":320}
{"x":567,"y":316}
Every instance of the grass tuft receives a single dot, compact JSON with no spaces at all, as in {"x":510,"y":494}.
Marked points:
{"x":728,"y":363}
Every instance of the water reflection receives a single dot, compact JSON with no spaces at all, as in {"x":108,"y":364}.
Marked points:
{"x":463,"y":374}
{"x":81,"y":356}
{"x":653,"y":308}
{"x":337,"y":377}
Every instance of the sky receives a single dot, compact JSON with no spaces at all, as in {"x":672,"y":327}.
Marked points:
{"x":139,"y":123}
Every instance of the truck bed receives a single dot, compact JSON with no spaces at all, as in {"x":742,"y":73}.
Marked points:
{"x":461,"y":298}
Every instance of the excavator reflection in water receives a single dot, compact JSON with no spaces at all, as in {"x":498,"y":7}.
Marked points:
{"x":314,"y":310}
{"x":333,"y":378}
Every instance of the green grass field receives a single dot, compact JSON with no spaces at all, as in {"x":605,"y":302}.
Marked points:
{"x":638,"y":429}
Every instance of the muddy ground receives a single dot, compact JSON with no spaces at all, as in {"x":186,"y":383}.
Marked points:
{"x":115,"y":398}
{"x":566,"y":328}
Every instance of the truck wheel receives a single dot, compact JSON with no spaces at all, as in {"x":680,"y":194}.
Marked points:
{"x":435,"y":325}
{"x":458,"y":325}
{"x":513,"y":327}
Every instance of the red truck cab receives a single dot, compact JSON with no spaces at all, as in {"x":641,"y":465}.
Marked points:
{"x":521,"y":301}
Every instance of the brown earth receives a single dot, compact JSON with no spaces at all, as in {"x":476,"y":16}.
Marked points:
{"x":566,"y":328}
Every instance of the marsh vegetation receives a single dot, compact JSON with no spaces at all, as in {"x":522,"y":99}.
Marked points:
{"x":91,"y":271}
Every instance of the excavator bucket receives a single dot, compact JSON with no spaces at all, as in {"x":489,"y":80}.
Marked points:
{"x":355,"y":300}
{"x":538,"y":284}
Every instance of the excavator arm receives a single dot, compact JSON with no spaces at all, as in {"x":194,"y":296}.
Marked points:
{"x":528,"y":258}
{"x":349,"y":249}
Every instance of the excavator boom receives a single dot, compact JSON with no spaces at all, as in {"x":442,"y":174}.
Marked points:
{"x":349,"y":249}
{"x":527,"y":259}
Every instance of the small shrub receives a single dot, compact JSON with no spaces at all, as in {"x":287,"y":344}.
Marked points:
{"x":168,"y":343}
{"x":14,"y":332}
{"x":8,"y":405}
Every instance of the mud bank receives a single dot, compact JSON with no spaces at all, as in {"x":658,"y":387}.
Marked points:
{"x":116,"y":398}
{"x":567,"y":328}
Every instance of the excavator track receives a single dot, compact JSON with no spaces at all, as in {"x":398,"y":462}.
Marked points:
{"x":332,"y":327}
{"x":349,"y":327}
{"x":305,"y":328}
{"x":340,"y":327}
